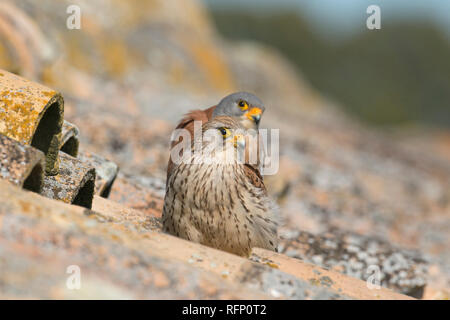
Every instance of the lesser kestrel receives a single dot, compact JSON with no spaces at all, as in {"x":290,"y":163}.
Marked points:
{"x":244,"y":107}
{"x":217,"y":201}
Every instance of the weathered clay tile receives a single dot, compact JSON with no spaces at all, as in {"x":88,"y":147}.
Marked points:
{"x":105,"y":170}
{"x":21,"y":165}
{"x":141,"y":193}
{"x":136,"y":220}
{"x":33,"y":115}
{"x":75,"y":182}
{"x":69,"y":139}
{"x":359,"y":256}
{"x":321,"y":277}
{"x":43,"y":241}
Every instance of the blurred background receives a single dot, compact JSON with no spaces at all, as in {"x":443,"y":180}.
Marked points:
{"x":397,"y":75}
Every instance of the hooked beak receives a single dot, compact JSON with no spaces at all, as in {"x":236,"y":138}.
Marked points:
{"x":254,"y":114}
{"x":239,"y":141}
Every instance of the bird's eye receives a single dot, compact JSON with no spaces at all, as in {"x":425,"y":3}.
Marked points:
{"x":243,"y":104}
{"x":225,"y":132}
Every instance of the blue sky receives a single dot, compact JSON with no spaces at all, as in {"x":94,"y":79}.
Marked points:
{"x":345,"y":17}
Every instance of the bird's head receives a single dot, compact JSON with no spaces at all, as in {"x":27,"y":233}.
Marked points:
{"x":223,"y":138}
{"x":243,"y":106}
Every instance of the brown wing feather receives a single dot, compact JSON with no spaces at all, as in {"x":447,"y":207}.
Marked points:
{"x":188,"y":123}
{"x":255,"y":177}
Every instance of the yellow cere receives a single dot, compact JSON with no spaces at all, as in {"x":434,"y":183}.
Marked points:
{"x":253,"y":112}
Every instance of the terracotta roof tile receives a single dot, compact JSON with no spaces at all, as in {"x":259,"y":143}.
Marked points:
{"x":69,"y":139}
{"x":144,"y":193}
{"x":42,"y":238}
{"x":31,"y":114}
{"x":359,"y":256}
{"x":106,"y":172}
{"x":21,"y":165}
{"x":349,"y":286}
{"x":75,"y":182}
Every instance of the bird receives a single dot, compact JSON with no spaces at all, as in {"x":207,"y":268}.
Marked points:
{"x":218,"y":202}
{"x":245,"y":107}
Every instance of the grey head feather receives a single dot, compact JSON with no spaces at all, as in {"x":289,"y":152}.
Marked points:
{"x":228,"y":106}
